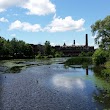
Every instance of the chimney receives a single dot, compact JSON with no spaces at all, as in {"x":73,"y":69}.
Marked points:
{"x":86,"y":40}
{"x":74,"y":43}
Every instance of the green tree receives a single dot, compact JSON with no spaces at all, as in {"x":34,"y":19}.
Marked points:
{"x":28,"y":50}
{"x":21,"y":45}
{"x":58,"y":54}
{"x":2,"y":40}
{"x":100,"y":56}
{"x":5,"y":47}
{"x":48,"y":48}
{"x":101,"y":29}
{"x":15,"y":46}
{"x":82,"y":54}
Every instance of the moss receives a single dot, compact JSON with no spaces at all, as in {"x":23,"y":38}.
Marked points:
{"x":15,"y":69}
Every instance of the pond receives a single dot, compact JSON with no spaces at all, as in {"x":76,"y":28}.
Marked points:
{"x":49,"y":85}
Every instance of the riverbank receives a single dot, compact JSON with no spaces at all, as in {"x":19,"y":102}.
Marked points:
{"x":79,"y":61}
{"x":103,"y":71}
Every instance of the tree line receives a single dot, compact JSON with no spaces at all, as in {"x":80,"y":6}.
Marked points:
{"x":15,"y":48}
{"x":19,"y":49}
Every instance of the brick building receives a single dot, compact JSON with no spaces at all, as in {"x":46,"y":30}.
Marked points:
{"x":73,"y":50}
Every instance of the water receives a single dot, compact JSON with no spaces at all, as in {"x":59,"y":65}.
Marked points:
{"x":51,"y":86}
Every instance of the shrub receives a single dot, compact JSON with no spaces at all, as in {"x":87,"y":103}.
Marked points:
{"x":79,"y":61}
{"x":99,"y":57}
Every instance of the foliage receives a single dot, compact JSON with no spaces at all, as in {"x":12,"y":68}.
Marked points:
{"x":38,"y":56}
{"x":48,"y":48}
{"x":79,"y":61}
{"x":15,"y":48}
{"x":50,"y":52}
{"x":103,"y":71}
{"x":107,"y":64}
{"x":58,"y":54}
{"x":100,"y":56}
{"x":106,"y":71}
{"x":90,"y":53}
{"x":82,"y":54}
{"x":101,"y":29}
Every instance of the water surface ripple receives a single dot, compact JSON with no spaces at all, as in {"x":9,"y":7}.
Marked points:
{"x":49,"y":87}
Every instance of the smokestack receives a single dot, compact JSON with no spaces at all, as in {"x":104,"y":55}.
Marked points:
{"x":74,"y":42}
{"x":86,"y":40}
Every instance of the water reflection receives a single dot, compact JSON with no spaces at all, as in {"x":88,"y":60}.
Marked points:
{"x":86,"y":71}
{"x":22,"y":91}
{"x":68,"y":82}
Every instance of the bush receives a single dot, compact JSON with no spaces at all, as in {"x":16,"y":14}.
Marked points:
{"x":58,"y":54}
{"x":99,"y":57}
{"x":38,"y":56}
{"x":79,"y":61}
{"x":83,"y":54}
{"x":50,"y":56}
{"x":106,"y":71}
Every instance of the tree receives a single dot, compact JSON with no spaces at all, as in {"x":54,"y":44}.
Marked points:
{"x":15,"y":46}
{"x":28,"y":50}
{"x":100,"y":57}
{"x":58,"y":54}
{"x":48,"y":48}
{"x":101,"y":29}
{"x":2,"y":40}
{"x":82,"y":54}
{"x":5,"y":47}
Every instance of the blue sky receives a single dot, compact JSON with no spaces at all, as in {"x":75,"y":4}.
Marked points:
{"x":57,"y":21}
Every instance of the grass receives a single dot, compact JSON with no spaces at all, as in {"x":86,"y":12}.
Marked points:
{"x":15,"y":69}
{"x":79,"y":61}
{"x":103,"y":71}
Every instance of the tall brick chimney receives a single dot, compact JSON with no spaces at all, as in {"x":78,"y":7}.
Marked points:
{"x":74,"y":42}
{"x":86,"y":40}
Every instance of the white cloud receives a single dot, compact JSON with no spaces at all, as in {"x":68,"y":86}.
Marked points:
{"x":66,"y":24}
{"x":25,"y":26}
{"x":1,"y":10}
{"x":36,"y":7}
{"x":3,"y":19}
{"x":57,"y":25}
{"x":41,"y":7}
{"x":68,"y":82}
{"x":4,"y":4}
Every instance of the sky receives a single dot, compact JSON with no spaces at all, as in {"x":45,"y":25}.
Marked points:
{"x":57,"y":21}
